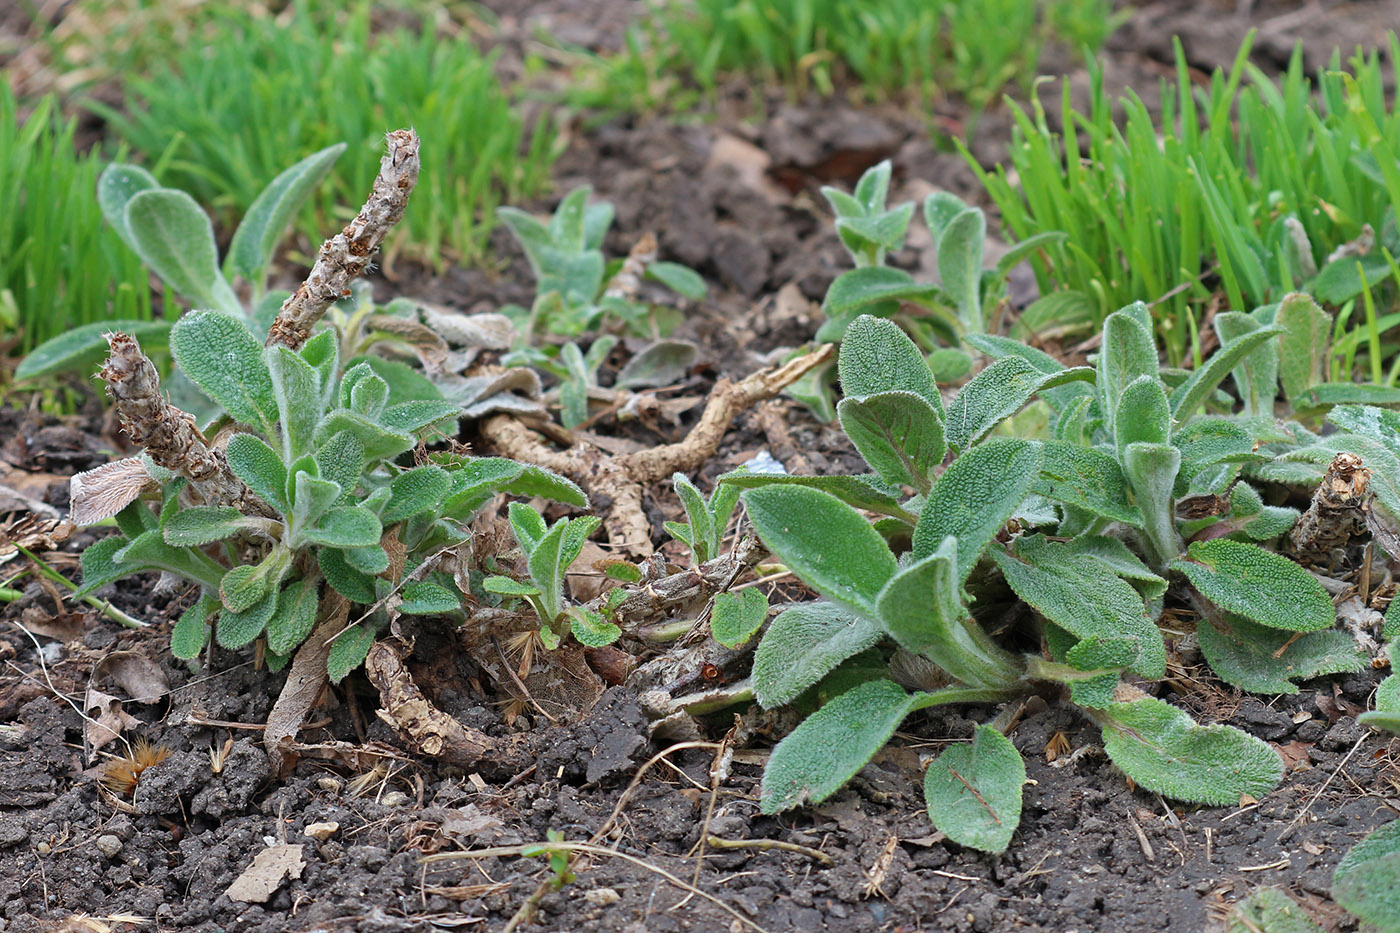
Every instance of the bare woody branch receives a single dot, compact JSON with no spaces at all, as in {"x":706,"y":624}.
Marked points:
{"x":345,"y":256}
{"x":168,"y":434}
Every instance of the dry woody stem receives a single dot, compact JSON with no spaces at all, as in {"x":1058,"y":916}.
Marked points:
{"x":166,"y":433}
{"x":346,"y":255}
{"x":615,"y":483}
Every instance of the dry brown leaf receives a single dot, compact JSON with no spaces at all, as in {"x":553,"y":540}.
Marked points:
{"x":270,"y":868}
{"x":106,"y":718}
{"x":140,"y":678}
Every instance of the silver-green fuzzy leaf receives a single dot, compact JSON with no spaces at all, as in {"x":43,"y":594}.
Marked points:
{"x":973,"y":791}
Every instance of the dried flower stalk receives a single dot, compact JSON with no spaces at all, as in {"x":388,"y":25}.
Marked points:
{"x":346,"y":255}
{"x":1337,"y":514}
{"x":627,"y":283}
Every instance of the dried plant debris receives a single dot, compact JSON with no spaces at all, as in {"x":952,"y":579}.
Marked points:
{"x":1337,"y":514}
{"x":346,"y":256}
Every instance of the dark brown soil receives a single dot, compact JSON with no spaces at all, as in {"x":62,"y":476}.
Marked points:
{"x":737,"y":200}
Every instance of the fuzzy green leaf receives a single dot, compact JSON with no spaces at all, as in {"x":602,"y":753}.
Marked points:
{"x":528,"y":525}
{"x":411,"y":416}
{"x":1083,"y":596}
{"x":372,"y":560}
{"x":1266,"y":660}
{"x":835,"y":742}
{"x":100,"y":566}
{"x":1192,"y":393}
{"x":236,"y":629}
{"x":531,"y":480}
{"x":1367,"y":879}
{"x":921,"y":609}
{"x":417,"y":490}
{"x":348,"y":651}
{"x":735,"y":617}
{"x":1260,"y":585}
{"x":425,"y":598}
{"x":1144,"y":414}
{"x":507,"y":586}
{"x":662,"y":363}
{"x":379,"y":442}
{"x":312,"y":497}
{"x":898,"y":433}
{"x":802,"y":645}
{"x":591,"y":630}
{"x":346,"y":526}
{"x":85,"y":345}
{"x":295,"y":616}
{"x":297,"y":387}
{"x":1088,"y":478}
{"x":974,"y":497}
{"x":271,"y":213}
{"x":993,"y":394}
{"x":202,"y":524}
{"x":1115,"y":555}
{"x":260,"y":467}
{"x":354,"y":585}
{"x":856,"y":289}
{"x":341,"y":460}
{"x":1386,"y":715}
{"x":1127,"y":352}
{"x":1163,"y":750}
{"x":223,"y":358}
{"x":864,"y":492}
{"x":191,"y":632}
{"x":172,"y":234}
{"x":547,"y":565}
{"x":960,"y":264}
{"x":1302,"y":347}
{"x":973,"y":791}
{"x":876,"y":356}
{"x":1256,"y":374}
{"x":116,"y":186}
{"x":682,"y":280}
{"x":697,"y":512}
{"x":1270,"y":910}
{"x":824,"y":541}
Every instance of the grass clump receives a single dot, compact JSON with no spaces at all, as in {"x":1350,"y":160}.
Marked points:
{"x":1254,"y":188}
{"x":222,"y":115}
{"x":60,"y":267}
{"x":885,"y":47}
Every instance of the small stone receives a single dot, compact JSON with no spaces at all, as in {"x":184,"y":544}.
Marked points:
{"x":602,"y":897}
{"x":395,"y":798}
{"x":329,"y":784}
{"x":322,"y":831}
{"x":109,"y":845}
{"x":43,"y":848}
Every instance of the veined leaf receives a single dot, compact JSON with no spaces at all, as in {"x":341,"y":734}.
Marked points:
{"x":824,"y":541}
{"x":423,"y":597}
{"x":260,"y":468}
{"x":1367,"y":879}
{"x":172,"y":234}
{"x":1127,"y":352}
{"x":271,"y":213}
{"x":297,"y":388}
{"x":191,"y":632}
{"x":876,"y":356}
{"x":1163,"y":750}
{"x":348,"y":651}
{"x":417,"y":490}
{"x":1144,"y":414}
{"x":1302,"y":346}
{"x":1267,"y":660}
{"x":202,"y":524}
{"x":1260,"y":585}
{"x":85,"y":345}
{"x":898,"y":433}
{"x":803,"y":644}
{"x":223,"y":358}
{"x":973,"y":791}
{"x":860,"y":288}
{"x":864,"y":492}
{"x":1088,"y":478}
{"x":295,"y":616}
{"x":960,"y":264}
{"x":974,"y":497}
{"x":236,"y":629}
{"x":835,"y":742}
{"x":735,"y":617}
{"x":1083,"y":596}
{"x":343,"y":527}
{"x":1192,"y":393}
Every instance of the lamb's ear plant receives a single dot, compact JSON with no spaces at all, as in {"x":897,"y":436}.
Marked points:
{"x":706,"y":519}
{"x":306,"y":507}
{"x":548,"y":551}
{"x":174,"y":237}
{"x":901,"y":584}
{"x":577,"y":289}
{"x":967,"y":299}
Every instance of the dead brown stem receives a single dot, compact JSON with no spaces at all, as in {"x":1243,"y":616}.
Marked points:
{"x":166,"y":433}
{"x":615,"y":483}
{"x":346,"y":255}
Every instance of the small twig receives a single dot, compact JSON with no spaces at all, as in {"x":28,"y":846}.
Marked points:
{"x":345,"y":256}
{"x":1293,"y":826}
{"x":716,"y":842}
{"x":588,"y":848}
{"x":980,"y":799}
{"x":637,"y":779}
